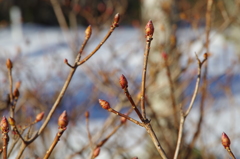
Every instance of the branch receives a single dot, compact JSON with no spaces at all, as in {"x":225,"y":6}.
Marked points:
{"x":184,"y":115}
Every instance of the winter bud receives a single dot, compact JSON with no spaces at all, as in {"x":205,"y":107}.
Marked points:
{"x":11,"y":121}
{"x":123,"y":120}
{"x":39,"y":117}
{"x":149,"y":29}
{"x":9,"y":64}
{"x":205,"y":55}
{"x":65,"y":61}
{"x":116,"y":20}
{"x":16,"y":93}
{"x":96,"y":152}
{"x":225,"y":141}
{"x":104,"y":104}
{"x":123,"y":82}
{"x":88,"y":31}
{"x":63,"y":120}
{"x":4,"y":125}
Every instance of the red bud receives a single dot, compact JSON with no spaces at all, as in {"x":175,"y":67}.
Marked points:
{"x":225,"y":141}
{"x":16,"y":93}
{"x":123,"y":120}
{"x":11,"y":121}
{"x":63,"y":120}
{"x":65,"y":61}
{"x":4,"y":125}
{"x":88,"y":31}
{"x":39,"y":117}
{"x":96,"y":152}
{"x":123,"y":82}
{"x":149,"y":28}
{"x":104,"y":104}
{"x":9,"y":64}
{"x":116,"y":20}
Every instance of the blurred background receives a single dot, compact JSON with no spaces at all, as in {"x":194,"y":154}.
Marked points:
{"x":37,"y":35}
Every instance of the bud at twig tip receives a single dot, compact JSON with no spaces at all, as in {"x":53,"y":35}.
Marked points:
{"x":104,"y":104}
{"x":96,"y":152}
{"x":63,"y":120}
{"x":9,"y":64}
{"x":39,"y":117}
{"x":65,"y":61}
{"x":16,"y":93}
{"x":11,"y":121}
{"x":123,"y":82}
{"x":116,"y":20}
{"x":88,"y":31}
{"x":4,"y":125}
{"x":149,"y":28}
{"x":225,"y":141}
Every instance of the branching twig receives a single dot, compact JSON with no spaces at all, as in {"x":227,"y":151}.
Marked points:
{"x":65,"y":86}
{"x":184,"y":115}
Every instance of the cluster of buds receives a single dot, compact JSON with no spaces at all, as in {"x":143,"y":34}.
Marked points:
{"x":116,"y":20}
{"x":63,"y":120}
{"x":149,"y":29}
{"x":4,"y":125}
{"x":123,"y":82}
{"x":104,"y":104}
{"x":39,"y":117}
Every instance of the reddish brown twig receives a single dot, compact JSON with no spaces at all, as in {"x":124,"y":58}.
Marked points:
{"x":124,"y":84}
{"x":65,"y":86}
{"x":113,"y":26}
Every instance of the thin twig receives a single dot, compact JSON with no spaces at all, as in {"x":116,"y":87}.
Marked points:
{"x":144,"y":71}
{"x":54,"y":143}
{"x":183,"y":115}
{"x":89,"y":134}
{"x":68,"y":80}
{"x":98,"y":47}
{"x":173,"y":100}
{"x":125,"y":116}
{"x":133,"y":104}
{"x":230,"y":152}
